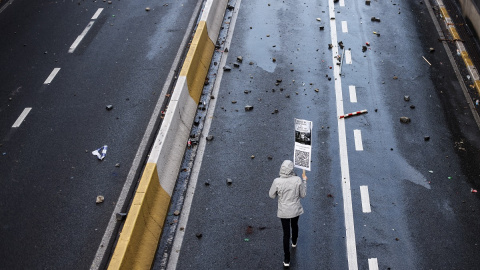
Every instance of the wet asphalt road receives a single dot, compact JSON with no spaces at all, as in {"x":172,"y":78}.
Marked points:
{"x":49,"y":178}
{"x":423,"y":213}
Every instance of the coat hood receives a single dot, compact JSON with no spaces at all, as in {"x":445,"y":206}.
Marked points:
{"x":286,"y":170}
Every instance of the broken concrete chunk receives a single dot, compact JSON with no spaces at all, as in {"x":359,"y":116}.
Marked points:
{"x":431,"y":50}
{"x":227,"y":68}
{"x":330,"y":46}
{"x":239,"y":59}
{"x":229,"y":181}
{"x":210,"y":138}
{"x":100,"y":199}
{"x":405,"y":119}
{"x":234,"y":101}
{"x":176,"y":213}
{"x":236,"y":65}
{"x":426,"y":138}
{"x":121,"y":216}
{"x":364,"y":48}
{"x":109,"y":107}
{"x":322,"y":28}
{"x":198,"y":235}
{"x":248,"y":108}
{"x":147,"y":9}
{"x":406,"y":98}
{"x":367,"y":2}
{"x":375,"y":19}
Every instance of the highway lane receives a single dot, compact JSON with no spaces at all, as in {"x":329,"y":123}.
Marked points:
{"x":415,"y":177}
{"x":49,"y":178}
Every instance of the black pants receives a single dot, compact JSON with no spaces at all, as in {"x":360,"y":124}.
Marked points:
{"x":286,"y":223}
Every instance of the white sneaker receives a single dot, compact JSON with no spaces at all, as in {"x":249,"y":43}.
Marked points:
{"x":286,"y":264}
{"x":294,"y":245}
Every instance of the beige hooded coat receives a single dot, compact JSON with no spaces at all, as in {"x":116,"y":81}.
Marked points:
{"x":289,"y":188}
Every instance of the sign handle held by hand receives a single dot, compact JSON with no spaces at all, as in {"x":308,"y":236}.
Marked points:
{"x":304,"y":176}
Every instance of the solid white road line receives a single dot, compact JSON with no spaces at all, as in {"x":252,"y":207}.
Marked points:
{"x":95,"y":16}
{"x":357,"y":134}
{"x":353,"y":93}
{"x":365,"y":199}
{"x":79,"y":38}
{"x":6,"y":5}
{"x":342,"y":3}
{"x":372,"y":264}
{"x":348,"y":57}
{"x":52,"y":75}
{"x":22,"y":117}
{"x":342,"y":141}
{"x":344,"y":27}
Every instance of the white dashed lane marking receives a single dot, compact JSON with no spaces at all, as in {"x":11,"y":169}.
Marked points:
{"x":372,"y":264}
{"x":52,"y":75}
{"x":22,"y":117}
{"x":357,"y":133}
{"x":348,"y":57}
{"x":95,"y":16}
{"x":344,"y":27}
{"x":365,"y":199}
{"x":353,"y":93}
{"x":85,"y":31}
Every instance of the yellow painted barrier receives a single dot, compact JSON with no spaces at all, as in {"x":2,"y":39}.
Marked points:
{"x":140,"y":235}
{"x":197,"y":61}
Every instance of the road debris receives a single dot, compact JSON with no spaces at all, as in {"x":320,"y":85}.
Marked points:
{"x":100,"y":152}
{"x":229,"y":181}
{"x":367,"y":2}
{"x":109,"y":107}
{"x":473,"y":190}
{"x":147,"y":9}
{"x":426,"y":60}
{"x":210,"y":138}
{"x":354,"y":113}
{"x":375,"y":19}
{"x":239,"y":59}
{"x":406,"y":98}
{"x":248,"y":108}
{"x":100,"y":199}
{"x":405,"y":119}
{"x":121,"y":216}
{"x":227,"y":68}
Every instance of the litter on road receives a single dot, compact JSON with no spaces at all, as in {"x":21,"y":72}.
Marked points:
{"x":354,"y":113}
{"x":100,"y":152}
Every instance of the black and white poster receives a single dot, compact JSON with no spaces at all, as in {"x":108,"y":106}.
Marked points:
{"x":303,"y":144}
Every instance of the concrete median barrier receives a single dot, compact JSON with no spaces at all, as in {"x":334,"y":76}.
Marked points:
{"x":141,"y":232}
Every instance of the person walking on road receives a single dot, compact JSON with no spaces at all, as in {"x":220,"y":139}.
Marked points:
{"x":289,"y":188}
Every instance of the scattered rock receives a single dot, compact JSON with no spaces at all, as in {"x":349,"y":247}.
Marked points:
{"x":375,"y":19}
{"x":426,"y":138}
{"x":236,"y":65}
{"x":252,"y":156}
{"x":248,"y":108}
{"x":406,"y":98}
{"x":395,"y":77}
{"x":109,"y":107}
{"x":404,"y":119}
{"x":239,"y":59}
{"x":176,"y":213}
{"x":147,"y":9}
{"x":412,"y":107}
{"x":198,"y":235}
{"x":274,"y":59}
{"x":207,"y":183}
{"x":100,"y":199}
{"x":121,"y":216}
{"x":229,"y":181}
{"x":431,"y":50}
{"x":227,"y":68}
{"x":234,"y":102}
{"x":210,"y":138}
{"x":117,"y":165}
